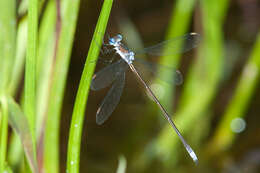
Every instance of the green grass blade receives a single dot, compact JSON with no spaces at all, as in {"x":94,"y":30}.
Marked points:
{"x":7,"y":40}
{"x":20,"y":125}
{"x":15,"y":151}
{"x":69,"y":11}
{"x":30,"y":67}
{"x":249,"y":79}
{"x":179,"y":24}
{"x":7,"y":47}
{"x":21,"y":42}
{"x":73,"y":158}
{"x":45,"y":62}
{"x":3,"y":132}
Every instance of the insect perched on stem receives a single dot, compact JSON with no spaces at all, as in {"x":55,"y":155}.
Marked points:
{"x":116,"y":73}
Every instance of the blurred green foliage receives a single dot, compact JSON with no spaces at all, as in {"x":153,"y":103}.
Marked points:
{"x":216,"y":108}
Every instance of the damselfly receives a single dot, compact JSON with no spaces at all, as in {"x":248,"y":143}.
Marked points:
{"x":115,"y":73}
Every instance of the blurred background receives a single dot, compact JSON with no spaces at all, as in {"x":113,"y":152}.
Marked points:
{"x":216,"y":108}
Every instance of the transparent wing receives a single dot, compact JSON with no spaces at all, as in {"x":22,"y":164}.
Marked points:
{"x":107,"y":75}
{"x":146,"y":68}
{"x":111,"y":100}
{"x":174,"y":46}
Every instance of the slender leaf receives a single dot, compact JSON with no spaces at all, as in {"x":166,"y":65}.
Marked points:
{"x":30,"y":67}
{"x":3,"y":131}
{"x":224,"y":136}
{"x":18,"y":66}
{"x":69,"y":14}
{"x":20,"y":125}
{"x":7,"y":47}
{"x":7,"y":40}
{"x":45,"y":62}
{"x":73,"y":158}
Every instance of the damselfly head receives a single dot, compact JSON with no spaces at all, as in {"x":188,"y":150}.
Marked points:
{"x":115,"y":40}
{"x":118,"y":37}
{"x":112,"y":41}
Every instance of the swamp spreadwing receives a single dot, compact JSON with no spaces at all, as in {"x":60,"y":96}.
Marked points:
{"x":115,"y":74}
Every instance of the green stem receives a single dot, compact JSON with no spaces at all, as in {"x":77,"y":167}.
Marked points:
{"x":30,"y":69}
{"x":3,"y":132}
{"x":7,"y":41}
{"x":73,"y":159}
{"x":179,"y":23}
{"x":249,"y":79}
{"x":7,"y":47}
{"x":59,"y":72}
{"x":18,"y":64}
{"x":30,"y":65}
{"x":45,"y":64}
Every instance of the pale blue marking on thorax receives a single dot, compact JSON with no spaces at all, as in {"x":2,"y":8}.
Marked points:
{"x":124,"y":52}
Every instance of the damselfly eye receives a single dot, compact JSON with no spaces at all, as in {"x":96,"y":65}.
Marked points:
{"x":119,"y":37}
{"x":111,"y":41}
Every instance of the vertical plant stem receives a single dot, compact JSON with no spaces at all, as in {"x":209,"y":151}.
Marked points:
{"x":179,"y":23}
{"x":3,"y":132}
{"x":30,"y":66}
{"x":45,"y":68}
{"x":18,"y":64}
{"x":249,"y":79}
{"x":45,"y":62}
{"x":20,"y":125}
{"x":30,"y":69}
{"x":69,"y":15}
{"x":73,"y":158}
{"x":7,"y":41}
{"x":7,"y":47}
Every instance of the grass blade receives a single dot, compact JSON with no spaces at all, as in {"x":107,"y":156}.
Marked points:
{"x":3,"y":132}
{"x":45,"y":63}
{"x":73,"y":158}
{"x":18,"y":66}
{"x":30,"y":67}
{"x":249,"y":79}
{"x":19,"y":123}
{"x":69,"y":11}
{"x":7,"y":47}
{"x":7,"y":40}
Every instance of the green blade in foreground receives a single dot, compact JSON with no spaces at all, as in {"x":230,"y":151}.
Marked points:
{"x":73,"y":159}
